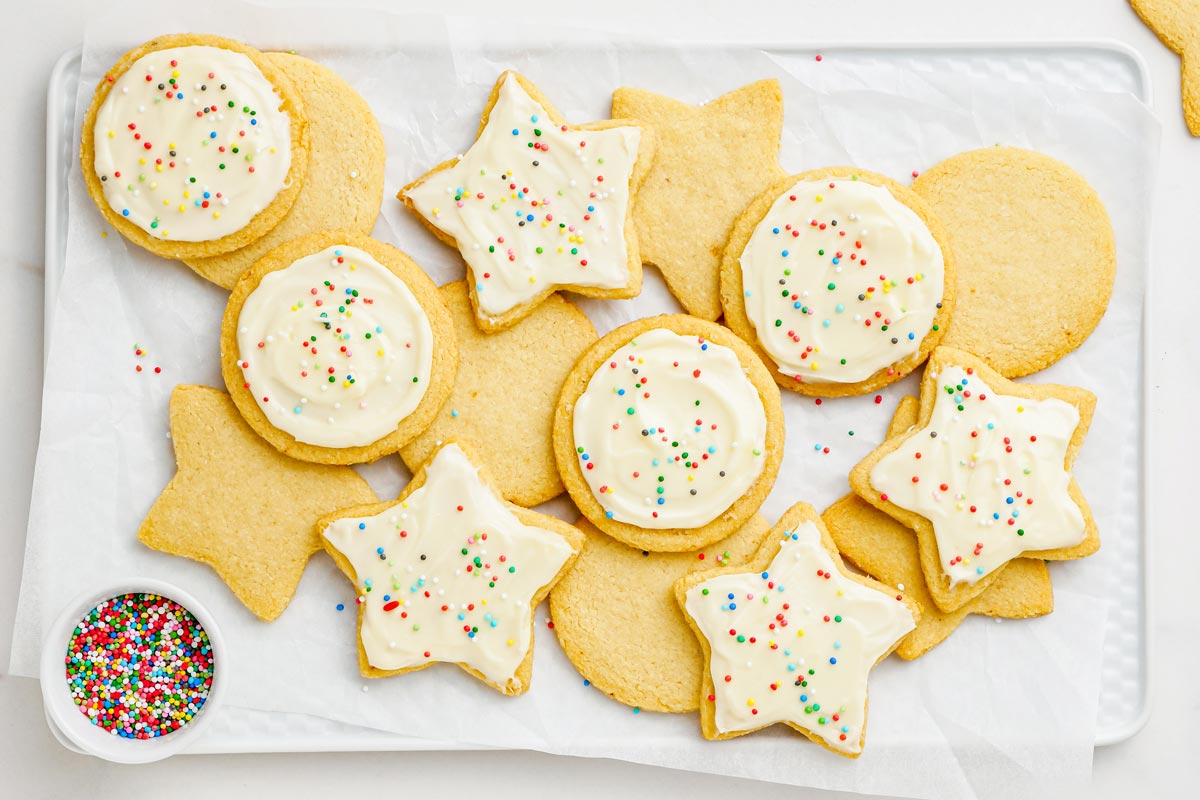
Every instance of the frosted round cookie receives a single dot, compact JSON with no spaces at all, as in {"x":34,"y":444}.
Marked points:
{"x":194,"y":145}
{"x":668,"y":433}
{"x":344,"y":183}
{"x":337,"y":348}
{"x":840,"y":279}
{"x":1036,"y":255}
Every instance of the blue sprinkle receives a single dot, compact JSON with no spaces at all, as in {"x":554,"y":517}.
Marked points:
{"x":125,"y":213}
{"x":803,"y":698}
{"x":711,"y":449}
{"x":377,"y":549}
{"x":586,"y":682}
{"x":661,"y":501}
{"x":387,"y":597}
{"x":608,"y":514}
{"x":1008,"y":500}
{"x":516,"y":132}
{"x":453,"y":412}
{"x":774,"y":230}
{"x":995,"y":516}
{"x":764,"y":576}
{"x":911,"y":336}
{"x":832,"y":660}
{"x":991,"y":426}
{"x":362,"y":526}
{"x":837,"y":260}
{"x":252,"y":122}
{"x":533,"y":118}
{"x":584,"y":456}
{"x":784,"y":254}
{"x":733,"y":606}
{"x":212,"y":135}
{"x":341,"y":607}
{"x":620,"y":392}
{"x":979,"y":570}
{"x":591,"y":208}
{"x":704,"y":347}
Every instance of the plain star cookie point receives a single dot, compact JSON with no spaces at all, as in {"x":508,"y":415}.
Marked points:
{"x":536,"y":205}
{"x":791,"y":637}
{"x":710,"y":161}
{"x":260,"y":535}
{"x":841,"y":280}
{"x":985,"y":476}
{"x":449,"y":572}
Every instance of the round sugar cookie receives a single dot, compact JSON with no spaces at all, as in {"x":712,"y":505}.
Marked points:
{"x":344,"y":185}
{"x":1036,"y":255}
{"x":840,"y":279}
{"x":194,"y":145}
{"x":668,"y":433}
{"x":337,"y":348}
{"x":617,"y":620}
{"x":503,"y":399}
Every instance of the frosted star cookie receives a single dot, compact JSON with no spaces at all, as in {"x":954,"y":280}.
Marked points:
{"x":502,"y":403}
{"x":194,"y":145}
{"x":1036,"y":257}
{"x":1177,"y":25}
{"x":985,"y":476}
{"x":537,"y":205}
{"x":616,"y":617}
{"x":449,"y":572}
{"x":710,"y":161}
{"x":792,"y":636}
{"x":878,"y":545}
{"x":344,"y":183}
{"x":668,"y":433}
{"x":239,"y":506}
{"x":337,"y":348}
{"x":840,"y":279}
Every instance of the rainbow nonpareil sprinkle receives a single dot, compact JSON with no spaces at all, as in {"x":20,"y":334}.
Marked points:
{"x":139,"y":666}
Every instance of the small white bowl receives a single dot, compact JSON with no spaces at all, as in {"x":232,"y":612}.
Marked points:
{"x":62,"y":713}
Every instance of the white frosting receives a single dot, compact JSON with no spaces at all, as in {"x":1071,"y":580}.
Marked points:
{"x":448,"y":574}
{"x":335,"y":348}
{"x":989,"y":472}
{"x":196,"y":159}
{"x":670,"y":431}
{"x":535,"y":205}
{"x":840,"y":280}
{"x":795,"y":643}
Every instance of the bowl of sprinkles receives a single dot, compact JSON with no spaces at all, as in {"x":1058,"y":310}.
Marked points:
{"x":130,"y":673}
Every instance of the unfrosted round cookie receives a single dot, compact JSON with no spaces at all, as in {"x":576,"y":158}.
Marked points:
{"x":617,"y":620}
{"x":194,"y":145}
{"x":344,"y":184}
{"x":503,"y":399}
{"x":1036,"y":255}
{"x":668,"y":433}
{"x":337,"y":348}
{"x":840,"y":279}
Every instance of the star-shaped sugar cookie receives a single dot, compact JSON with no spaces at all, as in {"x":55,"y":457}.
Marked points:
{"x":792,"y":636}
{"x":710,"y":161}
{"x":985,"y":476}
{"x":449,"y":572}
{"x":886,"y":550}
{"x":1177,"y":24}
{"x":239,"y":505}
{"x":537,"y":205}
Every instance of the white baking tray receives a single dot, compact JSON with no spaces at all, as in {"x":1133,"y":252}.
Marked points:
{"x":1125,"y":685}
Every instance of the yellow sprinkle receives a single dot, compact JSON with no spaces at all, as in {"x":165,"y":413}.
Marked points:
{"x":814,"y":366}
{"x":141,"y":161}
{"x":1020,"y":409}
{"x":379,"y":352}
{"x":820,"y":199}
{"x":182,"y":208}
{"x":111,"y":134}
{"x":509,"y":642}
{"x":186,"y":195}
{"x":799,"y":633}
{"x":174,"y":73}
{"x":103,"y":234}
{"x":216,"y":215}
{"x":750,"y":701}
{"x":436,"y":210}
{"x":839,"y":592}
{"x":691,"y":477}
{"x":166,"y":202}
{"x":353,"y":267}
{"x":171,"y":146}
{"x":560,"y":249}
{"x":158,"y":167}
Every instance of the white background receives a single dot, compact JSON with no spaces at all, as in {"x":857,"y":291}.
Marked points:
{"x":1158,"y":762}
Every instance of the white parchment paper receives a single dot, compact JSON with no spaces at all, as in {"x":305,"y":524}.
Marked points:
{"x":1000,"y":708}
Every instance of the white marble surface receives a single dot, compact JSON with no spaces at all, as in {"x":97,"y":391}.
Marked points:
{"x":1157,"y":762}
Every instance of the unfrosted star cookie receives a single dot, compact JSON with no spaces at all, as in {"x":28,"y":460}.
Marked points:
{"x":502,"y":403}
{"x":886,"y":550}
{"x":239,"y":506}
{"x":537,"y":205}
{"x":1177,"y":25}
{"x":1036,"y":257}
{"x":710,"y":161}
{"x":841,"y":280}
{"x":449,"y":572}
{"x":792,"y":636}
{"x":337,"y":348}
{"x":344,"y":183}
{"x":194,"y":145}
{"x":668,"y":433}
{"x":616,"y":617}
{"x":985,"y":475}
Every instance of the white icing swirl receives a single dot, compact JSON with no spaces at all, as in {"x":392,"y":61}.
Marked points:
{"x":989,"y":472}
{"x":191,"y":143}
{"x":796,"y":642}
{"x":335,"y":348}
{"x":670,"y":431}
{"x":840,"y":280}
{"x":535,"y":205}
{"x":448,"y":574}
